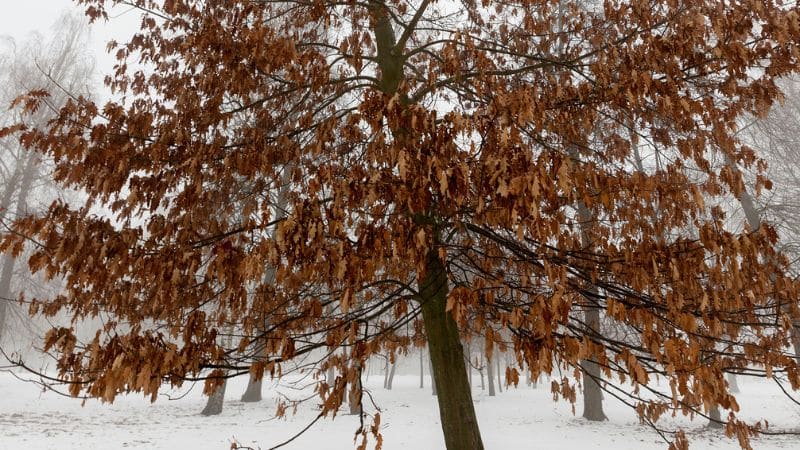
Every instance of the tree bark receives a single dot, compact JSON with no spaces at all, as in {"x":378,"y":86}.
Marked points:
{"x":459,"y":423}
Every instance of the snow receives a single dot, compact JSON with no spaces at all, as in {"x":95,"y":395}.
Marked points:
{"x":525,"y":417}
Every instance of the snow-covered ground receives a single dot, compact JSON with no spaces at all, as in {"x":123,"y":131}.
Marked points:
{"x":523,"y":418}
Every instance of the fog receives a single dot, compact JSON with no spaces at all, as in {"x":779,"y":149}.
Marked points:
{"x":19,"y":19}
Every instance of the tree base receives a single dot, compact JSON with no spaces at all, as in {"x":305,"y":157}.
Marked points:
{"x":253,"y":392}
{"x":715,"y":419}
{"x":215,"y":402}
{"x":595,"y":417}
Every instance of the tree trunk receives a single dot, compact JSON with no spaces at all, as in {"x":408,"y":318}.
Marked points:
{"x":421,"y":369}
{"x":386,"y":373}
{"x":391,"y":376}
{"x":753,"y":218}
{"x":468,"y":363}
{"x":29,"y":173}
{"x":459,"y":424}
{"x":5,"y":291}
{"x":733,"y":383}
{"x":490,"y":375}
{"x":433,"y":380}
{"x":592,"y":392}
{"x":480,"y":371}
{"x":499,"y":377}
{"x":715,"y":418}
{"x":355,"y":397}
{"x":215,"y":401}
{"x":253,"y":391}
{"x":456,"y":410}
{"x":7,"y":271}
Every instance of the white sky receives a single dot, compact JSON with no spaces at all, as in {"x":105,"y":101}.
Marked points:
{"x":19,"y":18}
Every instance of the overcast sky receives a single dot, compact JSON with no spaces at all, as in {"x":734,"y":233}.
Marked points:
{"x":19,"y":18}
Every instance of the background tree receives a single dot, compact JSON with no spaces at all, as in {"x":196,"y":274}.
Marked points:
{"x":774,"y":136}
{"x":431,"y":178}
{"x":776,"y":139}
{"x":60,"y":66}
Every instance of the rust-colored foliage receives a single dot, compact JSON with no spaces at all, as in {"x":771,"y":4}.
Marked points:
{"x":464,"y":130}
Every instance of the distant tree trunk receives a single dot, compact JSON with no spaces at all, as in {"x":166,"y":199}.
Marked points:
{"x":5,"y":291}
{"x":253,"y":391}
{"x":592,"y":391}
{"x":715,"y":418}
{"x":490,"y":375}
{"x":796,"y":340}
{"x":480,"y":371}
{"x":386,"y":373}
{"x":754,"y":220}
{"x":355,"y":396}
{"x":459,"y":423}
{"x":217,"y":398}
{"x":468,"y":363}
{"x":330,"y":377}
{"x":29,"y":173}
{"x":355,"y":392}
{"x":215,"y":401}
{"x":421,"y":369}
{"x":433,"y":380}
{"x":499,"y":376}
{"x":391,"y":376}
{"x":733,"y":383}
